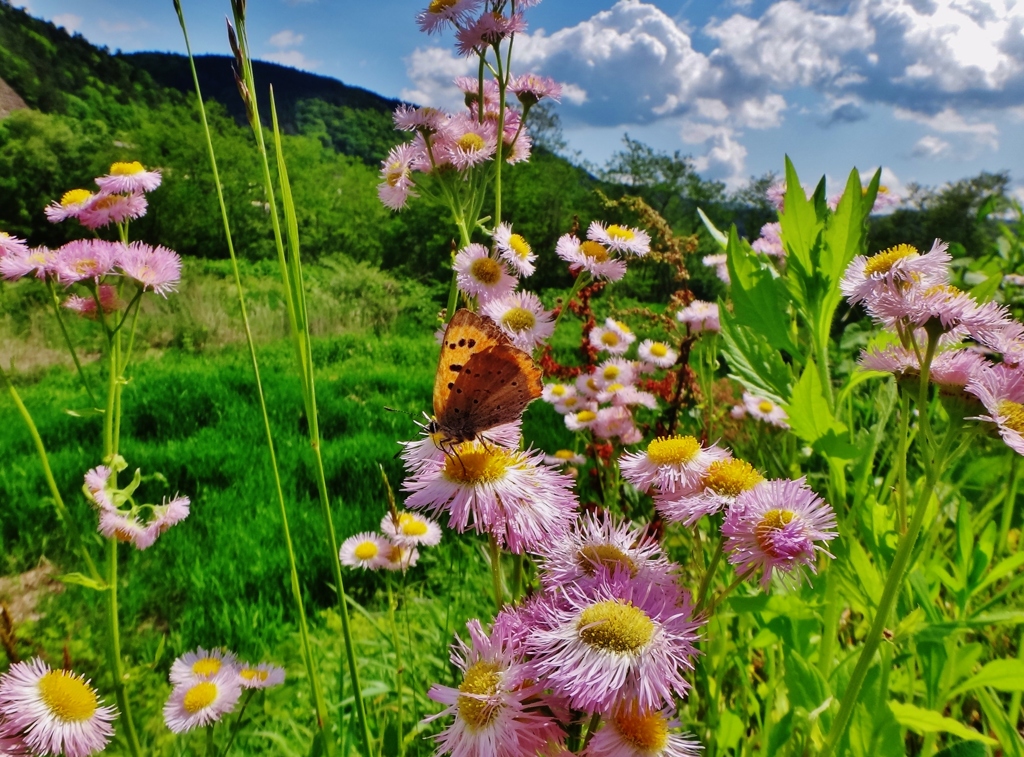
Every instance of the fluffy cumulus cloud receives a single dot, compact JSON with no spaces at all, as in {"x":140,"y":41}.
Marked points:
{"x":946,"y":65}
{"x":285,"y":43}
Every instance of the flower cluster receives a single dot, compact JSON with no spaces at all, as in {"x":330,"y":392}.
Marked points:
{"x":768,"y":525}
{"x":120,"y":517}
{"x":396,"y":547}
{"x":611,"y":635}
{"x":761,"y":409}
{"x":50,"y":712}
{"x":121,"y":198}
{"x":208,"y":684}
{"x":601,"y":253}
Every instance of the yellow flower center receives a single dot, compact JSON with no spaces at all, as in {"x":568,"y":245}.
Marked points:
{"x":731,"y":477}
{"x":620,"y":232}
{"x":623,"y":327}
{"x":883,"y":262}
{"x":594,"y":251}
{"x":481,"y":679}
{"x":646,"y":732}
{"x":565,"y":454}
{"x":673,"y":450}
{"x":558,"y":390}
{"x":570,"y":401}
{"x":947,"y":291}
{"x":410,"y":525}
{"x":1013,"y":415}
{"x":614,"y":626}
{"x":519,"y":319}
{"x":611,"y":372}
{"x":395,"y":554}
{"x":395,"y":171}
{"x":486,"y":271}
{"x":251,"y":674}
{"x":592,"y":385}
{"x":472,"y":464}
{"x":199,"y":697}
{"x":440,"y":6}
{"x":206,"y":667}
{"x":771,"y":521}
{"x":107,"y":202}
{"x":74,"y":197}
{"x":605,"y":555}
{"x":659,"y":349}
{"x":585,"y":416}
{"x":765,"y":406}
{"x":520,"y":246}
{"x":470,"y":142}
{"x":68,"y":698}
{"x":616,"y":387}
{"x":366,"y":550}
{"x":610,"y":338}
{"x":126,"y":169}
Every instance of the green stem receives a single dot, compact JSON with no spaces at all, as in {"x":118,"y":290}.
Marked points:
{"x":114,"y":651}
{"x":595,"y":722}
{"x":582,"y":279}
{"x":499,"y":599}
{"x":236,"y":727}
{"x":67,"y":340}
{"x":709,"y":576}
{"x":726,"y":592}
{"x":211,"y":742}
{"x":517,"y":574}
{"x":902,"y":492}
{"x":398,"y":664}
{"x":1009,"y":502}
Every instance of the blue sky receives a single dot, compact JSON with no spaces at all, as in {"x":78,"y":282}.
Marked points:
{"x":931,"y":90}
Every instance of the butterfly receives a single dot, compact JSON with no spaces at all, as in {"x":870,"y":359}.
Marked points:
{"x":482,"y":380}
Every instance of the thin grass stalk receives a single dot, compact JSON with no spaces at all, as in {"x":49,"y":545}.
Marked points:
{"x":320,"y":704}
{"x":67,"y":340}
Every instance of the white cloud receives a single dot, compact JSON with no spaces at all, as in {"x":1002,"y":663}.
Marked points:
{"x":69,"y":21}
{"x":931,"y":147}
{"x":432,"y":71}
{"x":949,"y":121}
{"x":286,"y":38}
{"x":293,"y":58}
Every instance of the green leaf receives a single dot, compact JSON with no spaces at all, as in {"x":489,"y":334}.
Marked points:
{"x":806,"y":686}
{"x":1002,"y":675}
{"x":752,"y":361}
{"x":1009,"y":739}
{"x":842,"y":239}
{"x":800,"y":221}
{"x":869,"y":579}
{"x":987,"y":289}
{"x":1001,"y":570}
{"x":713,"y":230}
{"x":80,"y":579}
{"x":730,"y":730}
{"x":759,"y":296}
{"x":965,"y":749}
{"x":809,"y":414}
{"x":923,"y":721}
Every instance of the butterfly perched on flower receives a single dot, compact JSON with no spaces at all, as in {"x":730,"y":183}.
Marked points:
{"x":482,"y":380}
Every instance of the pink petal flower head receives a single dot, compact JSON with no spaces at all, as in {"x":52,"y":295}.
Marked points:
{"x":722,"y":482}
{"x":262,"y":676}
{"x":580,"y":416}
{"x":672,"y":464}
{"x":125,"y":528}
{"x":38,"y":261}
{"x":366,"y":550}
{"x":564,"y":457}
{"x":776,"y":194}
{"x":480,"y":275}
{"x":615,"y":370}
{"x":554,"y":393}
{"x":616,"y":640}
{"x":621,"y":239}
{"x":490,"y":28}
{"x":52,"y":711}
{"x":509,"y":494}
{"x":522,"y":316}
{"x":700,"y":316}
{"x":468,"y":142}
{"x":770,"y":241}
{"x":426,"y":450}
{"x":514,"y":250}
{"x":166,"y":515}
{"x":113,"y":208}
{"x":596,"y":544}
{"x":86,"y":306}
{"x":153,"y":268}
{"x":590,"y":256}
{"x":424,"y":120}
{"x":1001,"y":390}
{"x":396,"y":172}
{"x":202,"y":703}
{"x":10,"y":245}
{"x":588,"y":385}
{"x":202,"y":665}
{"x":399,"y":557}
{"x":894,"y":270}
{"x":498,"y":707}
{"x":617,"y":422}
{"x":71,"y":204}
{"x":530,"y":89}
{"x":411,"y":530}
{"x":128,"y":178}
{"x":627,"y":394}
{"x":519,"y":150}
{"x":631,"y":731}
{"x":885,"y":199}
{"x":775,"y":527}
{"x":763,"y":409}
{"x":470,"y":87}
{"x":97,"y":487}
{"x":85,"y":259}
{"x":721,"y":265}
{"x":441,"y":14}
{"x":614,"y":337}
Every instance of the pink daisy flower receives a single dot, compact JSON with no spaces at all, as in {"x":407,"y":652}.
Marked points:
{"x":38,"y":261}
{"x":627,"y":394}
{"x":126,"y":528}
{"x":774,"y":527}
{"x":763,"y":409}
{"x":441,"y":14}
{"x":617,"y":421}
{"x":596,"y":544}
{"x":657,"y":353}
{"x":86,"y":306}
{"x":720,"y":263}
{"x":470,"y":87}
{"x":564,"y":457}
{"x":573,"y":404}
{"x":498,"y":706}
{"x":700,"y":316}
{"x":489,"y":29}
{"x":166,"y":515}
{"x":509,"y":494}
{"x":579,"y":419}
{"x":531,"y":88}
{"x":424,"y":120}
{"x":776,"y":194}
{"x":885,"y":199}
{"x":614,"y":370}
{"x":366,"y":550}
{"x":10,"y":245}
{"x":426,"y":450}
{"x":514,"y":250}
{"x":590,"y":256}
{"x":202,"y":665}
{"x":411,"y":530}
{"x":522,"y":317}
{"x":614,"y":338}
{"x":128,"y":178}
{"x":200,"y":703}
{"x":621,"y":239}
{"x":396,"y":170}
{"x":398,"y":557}
{"x":717,"y":490}
{"x":615,"y":640}
{"x":71,"y":204}
{"x":557,"y":392}
{"x":770,"y":241}
{"x":634,"y":732}
{"x":588,"y":385}
{"x":53,"y":711}
{"x":106,"y":208}
{"x":480,"y":275}
{"x":84,"y":259}
{"x":468,"y":142}
{"x":674,"y":464}
{"x":97,"y":487}
{"x":1001,"y":390}
{"x":868,"y":277}
{"x":154,"y":268}
{"x":261,"y":676}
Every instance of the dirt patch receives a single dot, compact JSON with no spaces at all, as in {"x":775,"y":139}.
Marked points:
{"x":21,"y":594}
{"x":10,"y":100}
